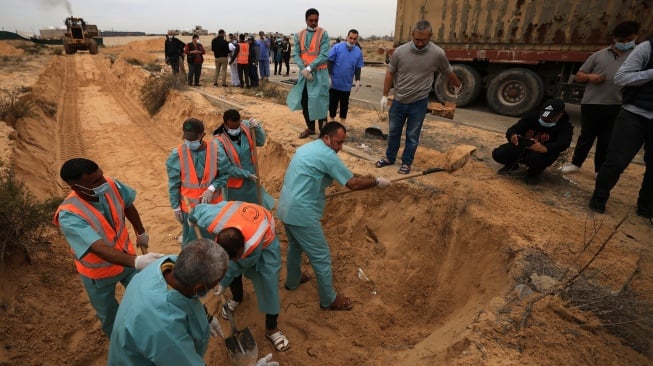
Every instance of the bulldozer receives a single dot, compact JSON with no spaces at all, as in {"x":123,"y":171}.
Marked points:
{"x":79,"y":36}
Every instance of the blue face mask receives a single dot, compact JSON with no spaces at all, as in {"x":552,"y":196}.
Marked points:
{"x":546,"y":124}
{"x":624,"y":46}
{"x":422,"y":50}
{"x":193,"y":145}
{"x":234,"y":132}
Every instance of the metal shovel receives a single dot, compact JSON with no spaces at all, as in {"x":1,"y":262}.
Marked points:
{"x":241,"y":345}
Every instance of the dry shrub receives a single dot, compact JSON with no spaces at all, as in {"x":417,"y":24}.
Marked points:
{"x":625,"y":314}
{"x":15,"y":104}
{"x":133,"y":61}
{"x":24,"y":221}
{"x":152,"y":67}
{"x":271,"y":91}
{"x":155,"y":91}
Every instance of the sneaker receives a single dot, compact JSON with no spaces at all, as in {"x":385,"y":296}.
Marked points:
{"x":597,"y":205}
{"x":569,"y":168}
{"x":232,"y":308}
{"x":215,"y":84}
{"x":507,"y":169}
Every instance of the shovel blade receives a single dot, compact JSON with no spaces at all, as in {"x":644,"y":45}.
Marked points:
{"x":242,"y":348}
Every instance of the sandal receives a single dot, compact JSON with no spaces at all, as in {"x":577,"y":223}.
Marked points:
{"x":340,"y":303}
{"x":405,"y":169}
{"x":279,"y":341}
{"x":303,"y":279}
{"x":381,"y":163}
{"x":307,"y":132}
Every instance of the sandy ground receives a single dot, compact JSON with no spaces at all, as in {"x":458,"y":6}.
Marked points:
{"x":443,"y":255}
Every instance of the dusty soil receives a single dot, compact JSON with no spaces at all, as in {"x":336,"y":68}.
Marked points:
{"x":442,"y":255}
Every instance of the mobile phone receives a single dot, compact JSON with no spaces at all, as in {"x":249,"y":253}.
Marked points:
{"x":524,"y":142}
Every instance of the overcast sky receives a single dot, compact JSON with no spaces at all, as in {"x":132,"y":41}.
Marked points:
{"x":369,"y":17}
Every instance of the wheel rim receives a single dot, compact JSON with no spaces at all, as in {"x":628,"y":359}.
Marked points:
{"x":511,"y":92}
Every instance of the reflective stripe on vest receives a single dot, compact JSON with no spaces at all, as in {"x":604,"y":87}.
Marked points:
{"x":116,"y":236}
{"x":232,"y":154}
{"x":191,"y":187}
{"x":243,"y":54}
{"x":254,"y":222}
{"x":310,"y":54}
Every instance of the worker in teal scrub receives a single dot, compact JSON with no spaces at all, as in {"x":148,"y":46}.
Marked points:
{"x":237,"y":158}
{"x":246,"y":231}
{"x":301,"y":206}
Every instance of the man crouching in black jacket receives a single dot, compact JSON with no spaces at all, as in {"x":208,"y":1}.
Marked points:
{"x":536,"y":141}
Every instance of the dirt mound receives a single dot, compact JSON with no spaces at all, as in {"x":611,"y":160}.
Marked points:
{"x":149,"y":45}
{"x":8,"y":49}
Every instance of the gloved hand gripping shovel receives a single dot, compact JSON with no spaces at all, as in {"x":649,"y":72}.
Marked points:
{"x":241,"y":345}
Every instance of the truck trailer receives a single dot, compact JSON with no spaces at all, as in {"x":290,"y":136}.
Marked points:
{"x":518,"y":51}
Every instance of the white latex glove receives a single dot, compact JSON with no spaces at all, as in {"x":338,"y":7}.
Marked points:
{"x":382,"y":182}
{"x":384,"y":103}
{"x":144,"y":260}
{"x":207,"y":196}
{"x":143,"y":240}
{"x":456,"y":90}
{"x":253,"y":177}
{"x":267,"y":361}
{"x":216,"y":328}
{"x":253,"y":123}
{"x":306,"y":71}
{"x":179,"y":215}
{"x":219,"y":291}
{"x":358,"y":86}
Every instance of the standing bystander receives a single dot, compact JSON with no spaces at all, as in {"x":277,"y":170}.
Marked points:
{"x":194,"y":52}
{"x":345,"y":63}
{"x":220,"y":48}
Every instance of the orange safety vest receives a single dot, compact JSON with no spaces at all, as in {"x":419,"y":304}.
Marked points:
{"x":308,"y":55}
{"x":191,"y":188}
{"x":117,"y":236}
{"x":243,"y":54}
{"x":229,"y":148}
{"x":254,"y":221}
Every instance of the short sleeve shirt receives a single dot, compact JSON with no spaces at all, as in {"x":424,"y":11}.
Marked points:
{"x":606,"y":63}
{"x":312,"y":169}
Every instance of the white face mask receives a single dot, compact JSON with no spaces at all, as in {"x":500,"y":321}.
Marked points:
{"x":193,"y":145}
{"x":234,"y":132}
{"x":311,"y":29}
{"x":546,"y":124}
{"x":350,"y":45}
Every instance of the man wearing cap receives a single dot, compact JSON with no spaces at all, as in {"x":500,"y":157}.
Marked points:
{"x":536,"y":141}
{"x":633,"y":128}
{"x":264,"y":56}
{"x":193,"y":175}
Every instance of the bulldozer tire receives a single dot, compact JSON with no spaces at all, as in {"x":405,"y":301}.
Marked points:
{"x":68,"y":48}
{"x":92,"y":47}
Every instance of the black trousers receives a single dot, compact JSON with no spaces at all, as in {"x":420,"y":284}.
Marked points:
{"x":237,"y":294}
{"x":194,"y":72}
{"x":286,"y":60}
{"x":338,"y":97}
{"x":309,"y":124}
{"x":631,"y":131}
{"x":510,"y":154}
{"x":243,"y":69}
{"x":596,"y":123}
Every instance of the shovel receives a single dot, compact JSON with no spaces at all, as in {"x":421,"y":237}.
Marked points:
{"x":241,"y":345}
{"x":457,"y":158}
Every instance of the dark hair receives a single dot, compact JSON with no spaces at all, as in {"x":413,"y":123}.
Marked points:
{"x":241,"y":37}
{"x":352,"y":31}
{"x":231,"y":115}
{"x":312,"y":11}
{"x":625,"y":29}
{"x":221,"y":32}
{"x":232,"y":240}
{"x":193,"y":125}
{"x":73,"y":169}
{"x":196,"y":36}
{"x":331,"y":128}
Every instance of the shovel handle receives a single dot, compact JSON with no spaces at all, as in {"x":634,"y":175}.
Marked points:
{"x":407,"y":176}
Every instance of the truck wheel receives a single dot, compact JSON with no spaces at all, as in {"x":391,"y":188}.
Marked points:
{"x":514,"y":92}
{"x":467,"y":75}
{"x":92,"y":46}
{"x":68,"y":48}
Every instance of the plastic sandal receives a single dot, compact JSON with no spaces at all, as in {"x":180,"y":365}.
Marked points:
{"x":340,"y":303}
{"x":405,"y":169}
{"x":279,"y":341}
{"x":232,"y":307}
{"x":381,"y":163}
{"x":307,"y":132}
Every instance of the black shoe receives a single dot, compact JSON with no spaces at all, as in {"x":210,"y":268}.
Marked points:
{"x":198,"y":84}
{"x":215,"y":84}
{"x":597,"y":205}
{"x":225,"y":85}
{"x":508,"y":168}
